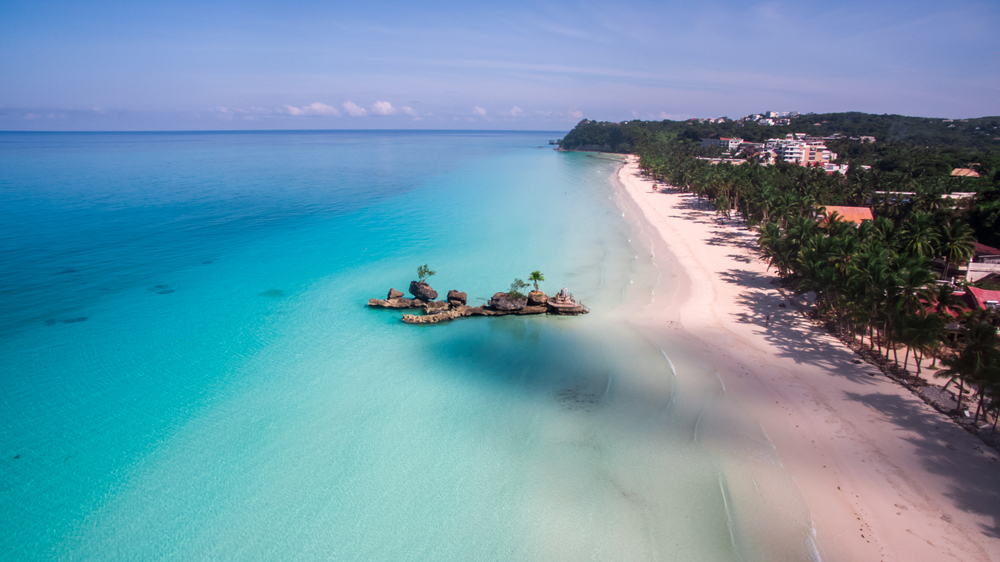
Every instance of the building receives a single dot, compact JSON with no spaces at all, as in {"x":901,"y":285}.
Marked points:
{"x":724,"y":143}
{"x":793,"y":148}
{"x":985,"y":262}
{"x":964,"y":173}
{"x":854,"y":215}
{"x":982,"y":299}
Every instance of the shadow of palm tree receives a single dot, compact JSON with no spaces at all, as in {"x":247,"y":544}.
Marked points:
{"x":933,"y":438}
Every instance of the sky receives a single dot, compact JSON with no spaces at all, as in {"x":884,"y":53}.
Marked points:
{"x":105,"y":65}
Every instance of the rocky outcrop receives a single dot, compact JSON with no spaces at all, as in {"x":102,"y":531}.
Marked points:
{"x":455,"y":307}
{"x":436,"y":307}
{"x":422,"y":291}
{"x":506,"y":303}
{"x":396,"y":303}
{"x":537,"y":298}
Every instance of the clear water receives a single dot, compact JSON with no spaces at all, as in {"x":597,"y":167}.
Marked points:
{"x":189,"y":371}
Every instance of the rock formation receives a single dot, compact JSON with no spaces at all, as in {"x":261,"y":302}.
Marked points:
{"x":455,"y":307}
{"x":504,"y":302}
{"x":436,"y":307}
{"x":396,"y":303}
{"x":537,"y":298}
{"x":422,"y":291}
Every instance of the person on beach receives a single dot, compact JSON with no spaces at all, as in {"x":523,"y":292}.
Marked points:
{"x":767,"y":321}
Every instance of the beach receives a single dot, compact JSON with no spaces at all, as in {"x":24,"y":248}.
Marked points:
{"x":885,"y":476}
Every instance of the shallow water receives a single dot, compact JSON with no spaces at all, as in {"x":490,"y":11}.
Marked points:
{"x":189,"y":370}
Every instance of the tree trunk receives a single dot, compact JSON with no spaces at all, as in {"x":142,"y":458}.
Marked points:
{"x":961,"y":390}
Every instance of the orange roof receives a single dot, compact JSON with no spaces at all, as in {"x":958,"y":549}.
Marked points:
{"x":964,"y":173}
{"x":850,"y":214}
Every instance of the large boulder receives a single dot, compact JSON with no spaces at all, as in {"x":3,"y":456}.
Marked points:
{"x":456,"y":297}
{"x":504,"y":302}
{"x":394,"y":294}
{"x":537,"y":298}
{"x":422,"y":291}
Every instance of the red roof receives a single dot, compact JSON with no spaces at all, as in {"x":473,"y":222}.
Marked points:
{"x":984,"y":250}
{"x":850,"y":214}
{"x":977,"y":297}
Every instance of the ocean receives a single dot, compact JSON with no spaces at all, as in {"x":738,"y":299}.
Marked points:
{"x":190,"y":370}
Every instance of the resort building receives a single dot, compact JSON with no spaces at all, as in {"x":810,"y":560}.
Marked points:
{"x":986,"y":262}
{"x":964,"y":173}
{"x":855,"y":215}
{"x":793,"y":148}
{"x":724,"y":143}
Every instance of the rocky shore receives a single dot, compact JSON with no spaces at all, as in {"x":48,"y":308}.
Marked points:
{"x":501,"y":304}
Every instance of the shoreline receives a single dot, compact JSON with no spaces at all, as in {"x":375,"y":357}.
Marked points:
{"x":885,"y":476}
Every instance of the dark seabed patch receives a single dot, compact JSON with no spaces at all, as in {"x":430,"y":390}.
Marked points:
{"x":206,"y":262}
{"x":161,"y":289}
{"x":67,"y":270}
{"x":272,"y":293}
{"x":165,"y":292}
{"x":74,"y":320}
{"x":51,"y":321}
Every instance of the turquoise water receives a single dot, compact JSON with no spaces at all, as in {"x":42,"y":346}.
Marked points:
{"x":189,"y":371}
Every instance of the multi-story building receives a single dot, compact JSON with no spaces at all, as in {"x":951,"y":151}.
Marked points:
{"x":725,"y":143}
{"x":794,"y":149}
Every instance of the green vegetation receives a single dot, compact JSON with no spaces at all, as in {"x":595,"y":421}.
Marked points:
{"x":535,"y":277}
{"x":515,"y":289}
{"x":874,"y":282}
{"x":423,"y":272}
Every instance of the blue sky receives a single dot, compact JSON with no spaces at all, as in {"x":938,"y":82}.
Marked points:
{"x":534,"y":65}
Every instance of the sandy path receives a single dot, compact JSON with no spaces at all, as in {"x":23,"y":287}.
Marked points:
{"x":885,"y":476}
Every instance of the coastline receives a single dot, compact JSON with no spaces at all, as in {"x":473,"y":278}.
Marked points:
{"x":884,"y":475}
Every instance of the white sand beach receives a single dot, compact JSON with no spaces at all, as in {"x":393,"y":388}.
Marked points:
{"x":885,"y":476}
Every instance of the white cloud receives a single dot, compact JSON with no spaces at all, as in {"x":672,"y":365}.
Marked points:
{"x":323,"y":109}
{"x":479,"y":111}
{"x":575,"y":114}
{"x":515,"y":111}
{"x":383,"y":108}
{"x":354,"y":110}
{"x":223,"y":109}
{"x":95,"y":110}
{"x":316,"y":108}
{"x":408,"y":110}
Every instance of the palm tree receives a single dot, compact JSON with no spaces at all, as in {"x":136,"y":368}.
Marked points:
{"x":921,"y":332}
{"x":976,"y":362}
{"x":919,"y":236}
{"x":957,"y":244}
{"x":535,"y":277}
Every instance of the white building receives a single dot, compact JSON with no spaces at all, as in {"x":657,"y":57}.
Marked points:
{"x":725,"y":143}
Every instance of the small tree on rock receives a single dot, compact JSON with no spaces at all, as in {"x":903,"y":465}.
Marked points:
{"x":423,"y":272}
{"x":535,"y":277}
{"x":515,"y":289}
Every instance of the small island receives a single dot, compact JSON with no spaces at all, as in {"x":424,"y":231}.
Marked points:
{"x":455,"y":306}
